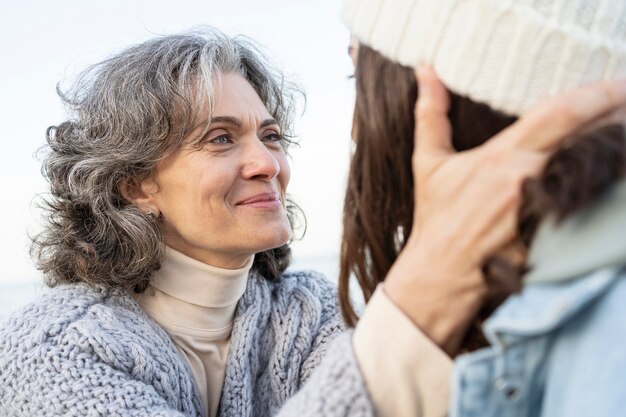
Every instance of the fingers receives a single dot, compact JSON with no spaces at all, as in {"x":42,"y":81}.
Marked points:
{"x":548,"y":124}
{"x":617,"y":116}
{"x":493,"y":194}
{"x":432,"y":126}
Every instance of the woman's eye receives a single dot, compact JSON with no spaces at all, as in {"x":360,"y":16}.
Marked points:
{"x":221,"y":140}
{"x":272,"y":137}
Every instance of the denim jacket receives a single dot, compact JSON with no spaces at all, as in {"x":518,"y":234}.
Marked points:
{"x":559,"y":347}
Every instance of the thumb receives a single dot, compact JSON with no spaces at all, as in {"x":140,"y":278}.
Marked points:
{"x":433,"y":131}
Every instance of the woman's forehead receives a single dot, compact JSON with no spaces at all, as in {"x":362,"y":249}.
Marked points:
{"x":236,"y":96}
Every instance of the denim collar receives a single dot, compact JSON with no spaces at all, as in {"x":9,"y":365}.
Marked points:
{"x":542,"y":308}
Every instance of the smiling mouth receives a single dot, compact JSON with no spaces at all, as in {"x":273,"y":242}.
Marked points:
{"x":262,"y":201}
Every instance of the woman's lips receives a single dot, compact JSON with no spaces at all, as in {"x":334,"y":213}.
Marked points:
{"x":262,"y":201}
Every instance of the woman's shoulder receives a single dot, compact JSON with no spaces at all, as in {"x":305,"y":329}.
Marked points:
{"x":56,"y":308}
{"x":96,"y":341}
{"x":312,"y":284}
{"x":62,"y":305}
{"x":296,"y":292}
{"x":76,"y":313}
{"x":310,"y":294}
{"x":305,"y":278}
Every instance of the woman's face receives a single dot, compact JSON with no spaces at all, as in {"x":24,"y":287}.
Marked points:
{"x":224,"y":200}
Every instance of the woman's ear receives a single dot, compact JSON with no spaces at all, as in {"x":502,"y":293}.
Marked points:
{"x":140,"y":193}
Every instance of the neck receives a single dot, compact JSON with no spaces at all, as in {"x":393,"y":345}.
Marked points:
{"x":198,"y":283}
{"x":217,"y":260}
{"x":187,"y":293}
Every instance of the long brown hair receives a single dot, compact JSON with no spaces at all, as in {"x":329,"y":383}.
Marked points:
{"x":378,"y":206}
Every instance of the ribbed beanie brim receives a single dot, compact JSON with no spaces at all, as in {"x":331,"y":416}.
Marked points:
{"x":508,"y":54}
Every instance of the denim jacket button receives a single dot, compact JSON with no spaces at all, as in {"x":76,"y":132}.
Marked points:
{"x":510,"y":391}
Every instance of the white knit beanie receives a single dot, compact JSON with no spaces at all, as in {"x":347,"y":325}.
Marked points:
{"x":508,"y":54}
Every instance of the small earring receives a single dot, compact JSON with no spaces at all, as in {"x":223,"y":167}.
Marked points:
{"x":150,"y":215}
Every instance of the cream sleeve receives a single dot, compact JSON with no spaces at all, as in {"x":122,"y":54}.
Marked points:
{"x":405,"y":372}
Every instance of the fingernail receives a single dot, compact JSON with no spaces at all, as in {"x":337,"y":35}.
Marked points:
{"x":422,"y":70}
{"x":422,"y":75}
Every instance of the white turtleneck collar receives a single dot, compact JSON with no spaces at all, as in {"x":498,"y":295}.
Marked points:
{"x":195,"y":304}
{"x":189,"y":296}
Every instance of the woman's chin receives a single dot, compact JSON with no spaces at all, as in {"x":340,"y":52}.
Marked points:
{"x":271,"y":236}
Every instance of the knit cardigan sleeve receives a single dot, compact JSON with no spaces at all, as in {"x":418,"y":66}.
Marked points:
{"x":332,"y":383}
{"x":291,"y":355}
{"x":77,"y":352}
{"x":336,"y":388}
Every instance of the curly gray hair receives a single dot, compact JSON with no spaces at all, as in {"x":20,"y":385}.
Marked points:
{"x":129,"y":112}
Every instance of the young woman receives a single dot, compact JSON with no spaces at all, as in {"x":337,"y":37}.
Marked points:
{"x":167,"y":242}
{"x":498,"y":59}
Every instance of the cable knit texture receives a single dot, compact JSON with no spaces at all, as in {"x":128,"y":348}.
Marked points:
{"x":83,"y":351}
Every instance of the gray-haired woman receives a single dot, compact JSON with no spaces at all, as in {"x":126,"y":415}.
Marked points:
{"x":167,"y":244}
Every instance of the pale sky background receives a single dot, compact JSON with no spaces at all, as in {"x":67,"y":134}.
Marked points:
{"x":45,"y":42}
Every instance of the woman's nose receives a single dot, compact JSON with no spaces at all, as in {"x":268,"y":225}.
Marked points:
{"x":260,"y":162}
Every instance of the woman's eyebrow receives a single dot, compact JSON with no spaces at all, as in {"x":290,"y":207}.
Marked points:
{"x":237,"y":122}
{"x":228,"y":120}
{"x":268,"y":122}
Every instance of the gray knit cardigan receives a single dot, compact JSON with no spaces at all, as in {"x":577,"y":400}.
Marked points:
{"x":84,"y":351}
